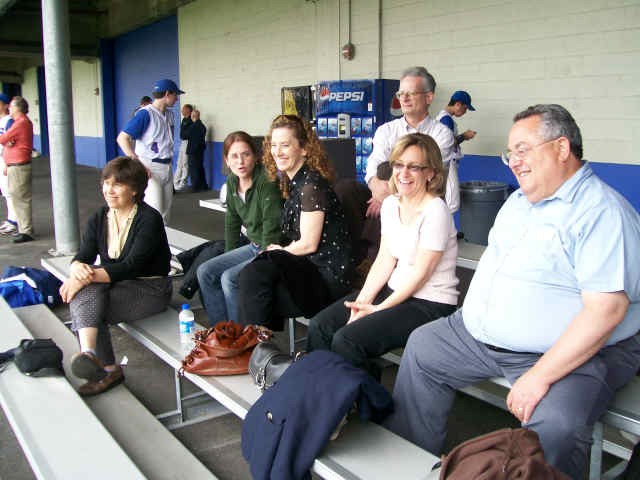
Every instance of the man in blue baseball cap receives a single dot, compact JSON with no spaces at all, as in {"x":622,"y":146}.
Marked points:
{"x":152,"y":130}
{"x":458,"y":105}
{"x":10,"y":225}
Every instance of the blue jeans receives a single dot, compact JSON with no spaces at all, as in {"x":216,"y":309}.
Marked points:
{"x":218,"y":280}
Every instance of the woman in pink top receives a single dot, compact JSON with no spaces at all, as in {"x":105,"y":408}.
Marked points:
{"x":413,"y":279}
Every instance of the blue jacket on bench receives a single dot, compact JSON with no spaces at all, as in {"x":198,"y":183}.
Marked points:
{"x":287,"y":428}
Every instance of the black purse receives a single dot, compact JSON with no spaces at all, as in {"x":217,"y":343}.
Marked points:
{"x":268,"y":363}
{"x":38,"y":357}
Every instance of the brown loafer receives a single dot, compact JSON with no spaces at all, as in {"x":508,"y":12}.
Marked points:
{"x":86,"y":365}
{"x":111,"y":379}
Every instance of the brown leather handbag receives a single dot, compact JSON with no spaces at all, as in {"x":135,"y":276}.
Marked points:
{"x":501,"y":455}
{"x":224,"y":349}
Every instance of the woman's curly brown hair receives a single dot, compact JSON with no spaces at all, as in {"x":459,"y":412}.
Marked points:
{"x":316,"y":158}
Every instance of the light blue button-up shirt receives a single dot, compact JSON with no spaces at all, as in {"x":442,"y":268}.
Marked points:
{"x":541,"y":257}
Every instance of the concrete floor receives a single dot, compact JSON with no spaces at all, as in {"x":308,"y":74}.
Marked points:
{"x":215,"y":442}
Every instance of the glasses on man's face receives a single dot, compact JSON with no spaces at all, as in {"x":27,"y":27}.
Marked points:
{"x":404,"y":93}
{"x":521,"y":152}
{"x":399,"y":166}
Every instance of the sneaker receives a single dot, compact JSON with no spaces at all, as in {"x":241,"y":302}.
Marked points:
{"x":22,"y":238}
{"x":8,"y":228}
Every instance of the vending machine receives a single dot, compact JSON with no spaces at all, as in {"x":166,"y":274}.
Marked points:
{"x":297,"y":101}
{"x":354,"y":109}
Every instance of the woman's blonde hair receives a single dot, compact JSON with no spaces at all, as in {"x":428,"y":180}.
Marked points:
{"x":316,"y":158}
{"x":431,"y":159}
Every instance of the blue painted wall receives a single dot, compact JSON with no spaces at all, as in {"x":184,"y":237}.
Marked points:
{"x":90,"y":151}
{"x":213,"y":165}
{"x":140,"y":58}
{"x":621,"y":177}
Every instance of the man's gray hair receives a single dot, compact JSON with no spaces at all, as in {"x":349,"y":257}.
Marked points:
{"x":555,"y":122}
{"x":21,"y":104}
{"x":429,"y":83}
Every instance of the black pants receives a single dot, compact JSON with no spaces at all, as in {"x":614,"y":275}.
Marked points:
{"x":277,"y":284}
{"x":374,"y":335}
{"x":196,"y":171}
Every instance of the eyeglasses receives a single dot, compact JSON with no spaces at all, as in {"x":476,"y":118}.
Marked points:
{"x":402,"y":93}
{"x":521,"y":152}
{"x":398,"y":166}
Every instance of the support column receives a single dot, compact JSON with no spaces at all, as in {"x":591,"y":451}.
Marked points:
{"x":57,"y":70}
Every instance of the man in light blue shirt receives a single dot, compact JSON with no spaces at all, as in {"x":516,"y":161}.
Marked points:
{"x":554,"y":305}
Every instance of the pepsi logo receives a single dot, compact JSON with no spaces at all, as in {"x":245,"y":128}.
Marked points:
{"x":324,"y":93}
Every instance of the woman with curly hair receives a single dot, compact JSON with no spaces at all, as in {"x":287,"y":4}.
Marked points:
{"x":413,"y":278}
{"x":311,"y":267}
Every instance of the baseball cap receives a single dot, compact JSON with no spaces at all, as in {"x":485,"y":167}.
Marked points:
{"x":4,"y":98}
{"x":166,"y":85}
{"x":464,"y":98}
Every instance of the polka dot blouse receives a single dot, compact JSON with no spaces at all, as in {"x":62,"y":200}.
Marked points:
{"x":310,"y":192}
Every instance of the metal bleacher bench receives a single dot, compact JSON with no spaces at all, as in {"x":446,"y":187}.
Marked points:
{"x":362,"y":451}
{"x":104,"y":437}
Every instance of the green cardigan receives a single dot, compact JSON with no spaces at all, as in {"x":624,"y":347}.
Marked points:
{"x":260,"y":213}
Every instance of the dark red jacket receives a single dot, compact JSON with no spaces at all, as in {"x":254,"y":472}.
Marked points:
{"x":18,"y":142}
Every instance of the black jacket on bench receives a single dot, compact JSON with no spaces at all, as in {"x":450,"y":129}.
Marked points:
{"x":146,"y":251}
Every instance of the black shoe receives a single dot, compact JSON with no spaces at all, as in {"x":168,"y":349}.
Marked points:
{"x":22,"y":237}
{"x":86,"y":365}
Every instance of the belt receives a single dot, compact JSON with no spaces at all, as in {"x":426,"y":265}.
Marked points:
{"x":164,"y":161}
{"x":504,"y":350}
{"x":18,"y":164}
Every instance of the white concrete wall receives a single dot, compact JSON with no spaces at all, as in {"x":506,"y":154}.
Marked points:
{"x":235,"y":55}
{"x":87,"y":101}
{"x":584,"y":54}
{"x":30,"y":94}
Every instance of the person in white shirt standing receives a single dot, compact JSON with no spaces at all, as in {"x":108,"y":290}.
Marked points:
{"x":9,"y":226}
{"x":417,"y":88}
{"x":152,"y":129}
{"x":181,"y":174}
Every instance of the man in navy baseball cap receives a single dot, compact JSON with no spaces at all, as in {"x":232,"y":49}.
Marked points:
{"x":166,"y":85}
{"x":4,"y":98}
{"x":458,"y":105}
{"x":462,"y":97}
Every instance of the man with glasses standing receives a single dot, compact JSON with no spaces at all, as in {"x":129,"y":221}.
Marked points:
{"x":417,"y":87}
{"x":152,"y":130}
{"x":554,"y":305}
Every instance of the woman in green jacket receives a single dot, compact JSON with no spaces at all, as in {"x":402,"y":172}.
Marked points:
{"x":253,"y":213}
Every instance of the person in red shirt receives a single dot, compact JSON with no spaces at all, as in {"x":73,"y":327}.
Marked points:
{"x":18,"y":145}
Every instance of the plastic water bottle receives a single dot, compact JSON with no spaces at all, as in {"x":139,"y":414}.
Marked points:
{"x":187,"y":328}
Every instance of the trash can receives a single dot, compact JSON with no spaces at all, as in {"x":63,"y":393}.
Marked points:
{"x":479,"y":205}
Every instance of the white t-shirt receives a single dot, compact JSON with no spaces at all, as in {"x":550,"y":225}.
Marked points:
{"x":432,"y":230}
{"x":3,"y":128}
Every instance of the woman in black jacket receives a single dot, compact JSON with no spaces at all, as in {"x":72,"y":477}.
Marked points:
{"x":130,"y":280}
